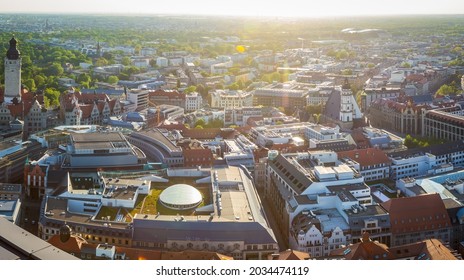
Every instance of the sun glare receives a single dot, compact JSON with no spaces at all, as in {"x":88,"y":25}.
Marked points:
{"x":279,"y":8}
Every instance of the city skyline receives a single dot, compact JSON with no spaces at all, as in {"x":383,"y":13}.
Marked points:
{"x":292,"y":8}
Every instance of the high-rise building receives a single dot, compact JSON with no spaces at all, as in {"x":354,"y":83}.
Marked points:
{"x":12,"y":73}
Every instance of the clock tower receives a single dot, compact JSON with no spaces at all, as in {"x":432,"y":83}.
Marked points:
{"x":12,"y":73}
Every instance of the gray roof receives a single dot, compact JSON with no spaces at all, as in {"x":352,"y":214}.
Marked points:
{"x":332,"y":107}
{"x":16,"y":242}
{"x":437,"y":150}
{"x":147,"y":230}
{"x":299,"y":182}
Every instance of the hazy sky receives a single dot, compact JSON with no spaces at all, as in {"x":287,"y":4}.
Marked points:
{"x":298,"y":8}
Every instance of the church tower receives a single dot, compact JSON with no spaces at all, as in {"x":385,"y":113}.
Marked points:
{"x":12,"y":73}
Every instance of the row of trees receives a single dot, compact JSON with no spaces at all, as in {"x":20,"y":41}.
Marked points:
{"x":416,"y":142}
{"x":214,"y":123}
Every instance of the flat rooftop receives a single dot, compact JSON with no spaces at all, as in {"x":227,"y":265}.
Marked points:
{"x":10,"y":188}
{"x":7,"y":207}
{"x":370,"y":210}
{"x":330,"y":219}
{"x":56,"y":209}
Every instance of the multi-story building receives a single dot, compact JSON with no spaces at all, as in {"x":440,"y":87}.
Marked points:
{"x":193,"y":101}
{"x":226,"y":99}
{"x":102,"y":150}
{"x":372,"y":163}
{"x":77,"y":108}
{"x":168,"y":97}
{"x":371,"y":94}
{"x":13,"y":156}
{"x":402,"y":117}
{"x":139,"y":98}
{"x":240,"y":116}
{"x":371,"y":219}
{"x":195,"y":154}
{"x":10,"y":201}
{"x":423,"y":161}
{"x":35,"y":176}
{"x":159,"y":144}
{"x":10,"y":191}
{"x":239,"y":151}
{"x":296,"y":133}
{"x":418,"y":218}
{"x":319,"y":95}
{"x":280,"y":95}
{"x":444,"y":123}
{"x":98,"y":210}
{"x":311,"y":181}
{"x":280,"y":134}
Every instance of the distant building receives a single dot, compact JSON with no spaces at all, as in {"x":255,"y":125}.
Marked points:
{"x":77,"y":108}
{"x":395,"y":115}
{"x":168,"y":97}
{"x":193,"y":102}
{"x":341,"y":107}
{"x":445,"y":123}
{"x":371,"y":94}
{"x":240,"y":116}
{"x":226,"y":99}
{"x":280,"y":95}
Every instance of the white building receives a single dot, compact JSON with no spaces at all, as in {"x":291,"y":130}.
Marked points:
{"x":318,"y":233}
{"x":162,"y":61}
{"x":139,"y":98}
{"x":193,"y":101}
{"x":312,"y":181}
{"x":240,"y":116}
{"x":231,"y":99}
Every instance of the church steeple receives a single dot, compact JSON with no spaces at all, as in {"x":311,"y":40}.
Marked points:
{"x":13,"y":52}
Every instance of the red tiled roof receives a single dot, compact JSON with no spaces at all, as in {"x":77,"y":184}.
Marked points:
{"x":366,"y":157}
{"x":73,"y":245}
{"x":417,"y":78}
{"x":112,"y":103}
{"x":418,"y":213}
{"x":100,"y":107}
{"x":291,"y":255}
{"x":90,"y":97}
{"x":431,"y":249}
{"x":16,"y":110}
{"x":86,"y":110}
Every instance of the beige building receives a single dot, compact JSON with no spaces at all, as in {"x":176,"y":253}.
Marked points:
{"x":226,"y":99}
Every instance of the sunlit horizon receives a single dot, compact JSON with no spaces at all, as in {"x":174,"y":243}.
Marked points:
{"x":272,"y":8}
